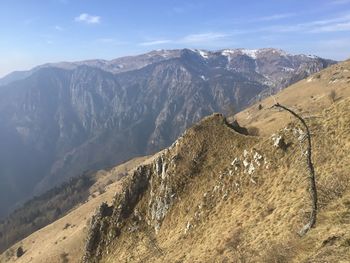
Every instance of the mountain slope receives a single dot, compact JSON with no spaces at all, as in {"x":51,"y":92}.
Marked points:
{"x":64,"y":119}
{"x":218,"y":196}
{"x":65,"y":237}
{"x":309,"y":96}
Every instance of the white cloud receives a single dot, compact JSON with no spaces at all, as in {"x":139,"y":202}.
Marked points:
{"x":202,"y":38}
{"x":333,"y":28}
{"x":88,"y":19}
{"x":338,"y":19}
{"x":274,"y":17}
{"x":59,"y":28}
{"x":191,"y":39}
{"x":340,"y":23}
{"x":340,"y":2}
{"x":206,"y":39}
{"x":155,"y":42}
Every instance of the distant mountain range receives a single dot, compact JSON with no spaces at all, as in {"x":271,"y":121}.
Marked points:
{"x":59,"y":120}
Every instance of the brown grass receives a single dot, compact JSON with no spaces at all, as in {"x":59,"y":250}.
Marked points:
{"x":332,"y":187}
{"x":311,"y":95}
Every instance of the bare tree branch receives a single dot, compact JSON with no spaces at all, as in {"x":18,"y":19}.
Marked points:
{"x":313,"y":189}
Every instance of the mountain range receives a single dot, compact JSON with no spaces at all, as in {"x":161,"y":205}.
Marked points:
{"x":59,"y":120}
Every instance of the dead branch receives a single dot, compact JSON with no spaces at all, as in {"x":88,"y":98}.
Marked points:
{"x":312,"y":182}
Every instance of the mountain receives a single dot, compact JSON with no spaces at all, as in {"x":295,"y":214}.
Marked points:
{"x":60,"y":120}
{"x":219,"y":196}
{"x":118,"y":65}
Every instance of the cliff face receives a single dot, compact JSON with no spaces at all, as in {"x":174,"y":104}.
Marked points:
{"x":107,"y":223}
{"x":60,"y":120}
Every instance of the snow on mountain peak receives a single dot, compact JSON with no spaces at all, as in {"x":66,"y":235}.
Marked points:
{"x":227,"y":52}
{"x":248,"y":52}
{"x":311,"y":56}
{"x":202,"y":53}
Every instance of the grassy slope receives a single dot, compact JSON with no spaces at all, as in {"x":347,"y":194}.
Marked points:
{"x":254,"y":218}
{"x":51,"y":242}
{"x":308,"y":96}
{"x":243,"y":218}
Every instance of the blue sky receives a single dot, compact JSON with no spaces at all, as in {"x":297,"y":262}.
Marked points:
{"x":34,"y":32}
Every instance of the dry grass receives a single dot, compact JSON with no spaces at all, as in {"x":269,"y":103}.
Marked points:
{"x":332,"y":187}
{"x":264,"y":211}
{"x":280,"y":252}
{"x":308,"y":96}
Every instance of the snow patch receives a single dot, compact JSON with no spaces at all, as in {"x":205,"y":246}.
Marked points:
{"x":202,"y":53}
{"x":312,"y":56}
{"x":228,"y":52}
{"x":287,"y":69}
{"x":204,"y":78}
{"x":279,"y":52}
{"x":250,"y":52}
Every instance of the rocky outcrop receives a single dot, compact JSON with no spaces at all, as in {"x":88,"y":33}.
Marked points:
{"x":106,"y":224}
{"x":149,"y":195}
{"x":109,"y":221}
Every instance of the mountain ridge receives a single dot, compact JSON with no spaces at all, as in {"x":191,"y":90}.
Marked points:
{"x":62,"y":122}
{"x":118,"y":65}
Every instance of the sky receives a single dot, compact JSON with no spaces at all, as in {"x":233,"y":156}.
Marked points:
{"x":34,"y":32}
